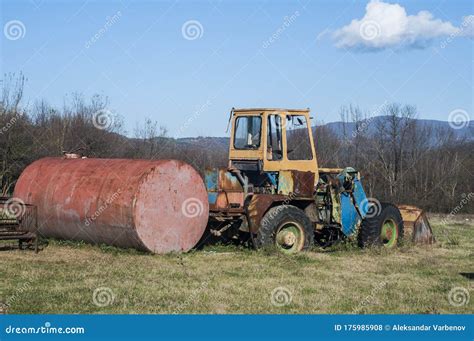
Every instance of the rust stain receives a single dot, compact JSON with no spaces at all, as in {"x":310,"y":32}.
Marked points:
{"x":259,"y":205}
{"x":303,"y":183}
{"x":229,"y":193}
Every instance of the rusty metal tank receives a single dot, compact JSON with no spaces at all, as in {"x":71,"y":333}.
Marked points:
{"x":154,"y":205}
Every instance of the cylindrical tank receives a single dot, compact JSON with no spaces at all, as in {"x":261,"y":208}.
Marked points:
{"x":153,"y":205}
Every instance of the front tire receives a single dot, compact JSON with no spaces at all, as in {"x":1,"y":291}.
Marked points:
{"x":385,"y":228}
{"x":287,"y":228}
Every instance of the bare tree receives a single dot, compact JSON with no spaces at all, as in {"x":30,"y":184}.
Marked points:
{"x":400,"y":160}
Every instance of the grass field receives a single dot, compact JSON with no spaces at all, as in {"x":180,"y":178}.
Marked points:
{"x":70,"y":277}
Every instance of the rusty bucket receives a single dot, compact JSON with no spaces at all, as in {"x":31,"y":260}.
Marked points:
{"x":417,"y":226}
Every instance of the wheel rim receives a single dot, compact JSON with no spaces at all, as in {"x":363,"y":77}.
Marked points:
{"x":389,"y":233}
{"x":290,"y":237}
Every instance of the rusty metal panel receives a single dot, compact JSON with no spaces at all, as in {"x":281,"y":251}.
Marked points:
{"x":225,"y":192}
{"x":296,"y":182}
{"x":229,"y":201}
{"x":153,"y":205}
{"x":303,"y":183}
{"x":259,"y":205}
{"x":229,"y":182}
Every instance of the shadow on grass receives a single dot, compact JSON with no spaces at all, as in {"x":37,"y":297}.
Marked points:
{"x":101,"y":247}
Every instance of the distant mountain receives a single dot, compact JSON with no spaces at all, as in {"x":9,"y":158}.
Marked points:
{"x":370,"y":128}
{"x":205,"y":142}
{"x":372,"y":124}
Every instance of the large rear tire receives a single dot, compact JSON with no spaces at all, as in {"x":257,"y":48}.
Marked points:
{"x":287,"y":228}
{"x":384,"y":228}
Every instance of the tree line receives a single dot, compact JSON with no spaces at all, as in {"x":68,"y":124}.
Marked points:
{"x":400,"y":161}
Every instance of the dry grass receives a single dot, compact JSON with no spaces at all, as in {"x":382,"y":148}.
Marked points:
{"x":62,"y":278}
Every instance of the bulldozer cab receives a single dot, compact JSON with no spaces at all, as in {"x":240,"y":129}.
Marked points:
{"x":272,"y":140}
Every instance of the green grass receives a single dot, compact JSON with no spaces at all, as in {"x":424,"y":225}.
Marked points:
{"x":62,"y":278}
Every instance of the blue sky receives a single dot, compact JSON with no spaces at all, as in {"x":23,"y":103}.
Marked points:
{"x":141,"y":56}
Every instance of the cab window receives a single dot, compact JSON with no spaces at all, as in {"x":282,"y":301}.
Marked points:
{"x":247,"y":132}
{"x":274,"y":138}
{"x":297,"y":138}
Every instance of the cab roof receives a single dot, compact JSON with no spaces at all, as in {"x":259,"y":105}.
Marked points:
{"x":268,"y":109}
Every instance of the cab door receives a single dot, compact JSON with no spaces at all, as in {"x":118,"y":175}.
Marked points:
{"x":298,"y":144}
{"x":274,"y":153}
{"x":289,"y":143}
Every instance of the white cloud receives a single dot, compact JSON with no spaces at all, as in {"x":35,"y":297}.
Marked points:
{"x":386,"y":25}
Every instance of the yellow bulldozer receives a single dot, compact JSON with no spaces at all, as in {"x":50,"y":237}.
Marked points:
{"x":274,"y":193}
